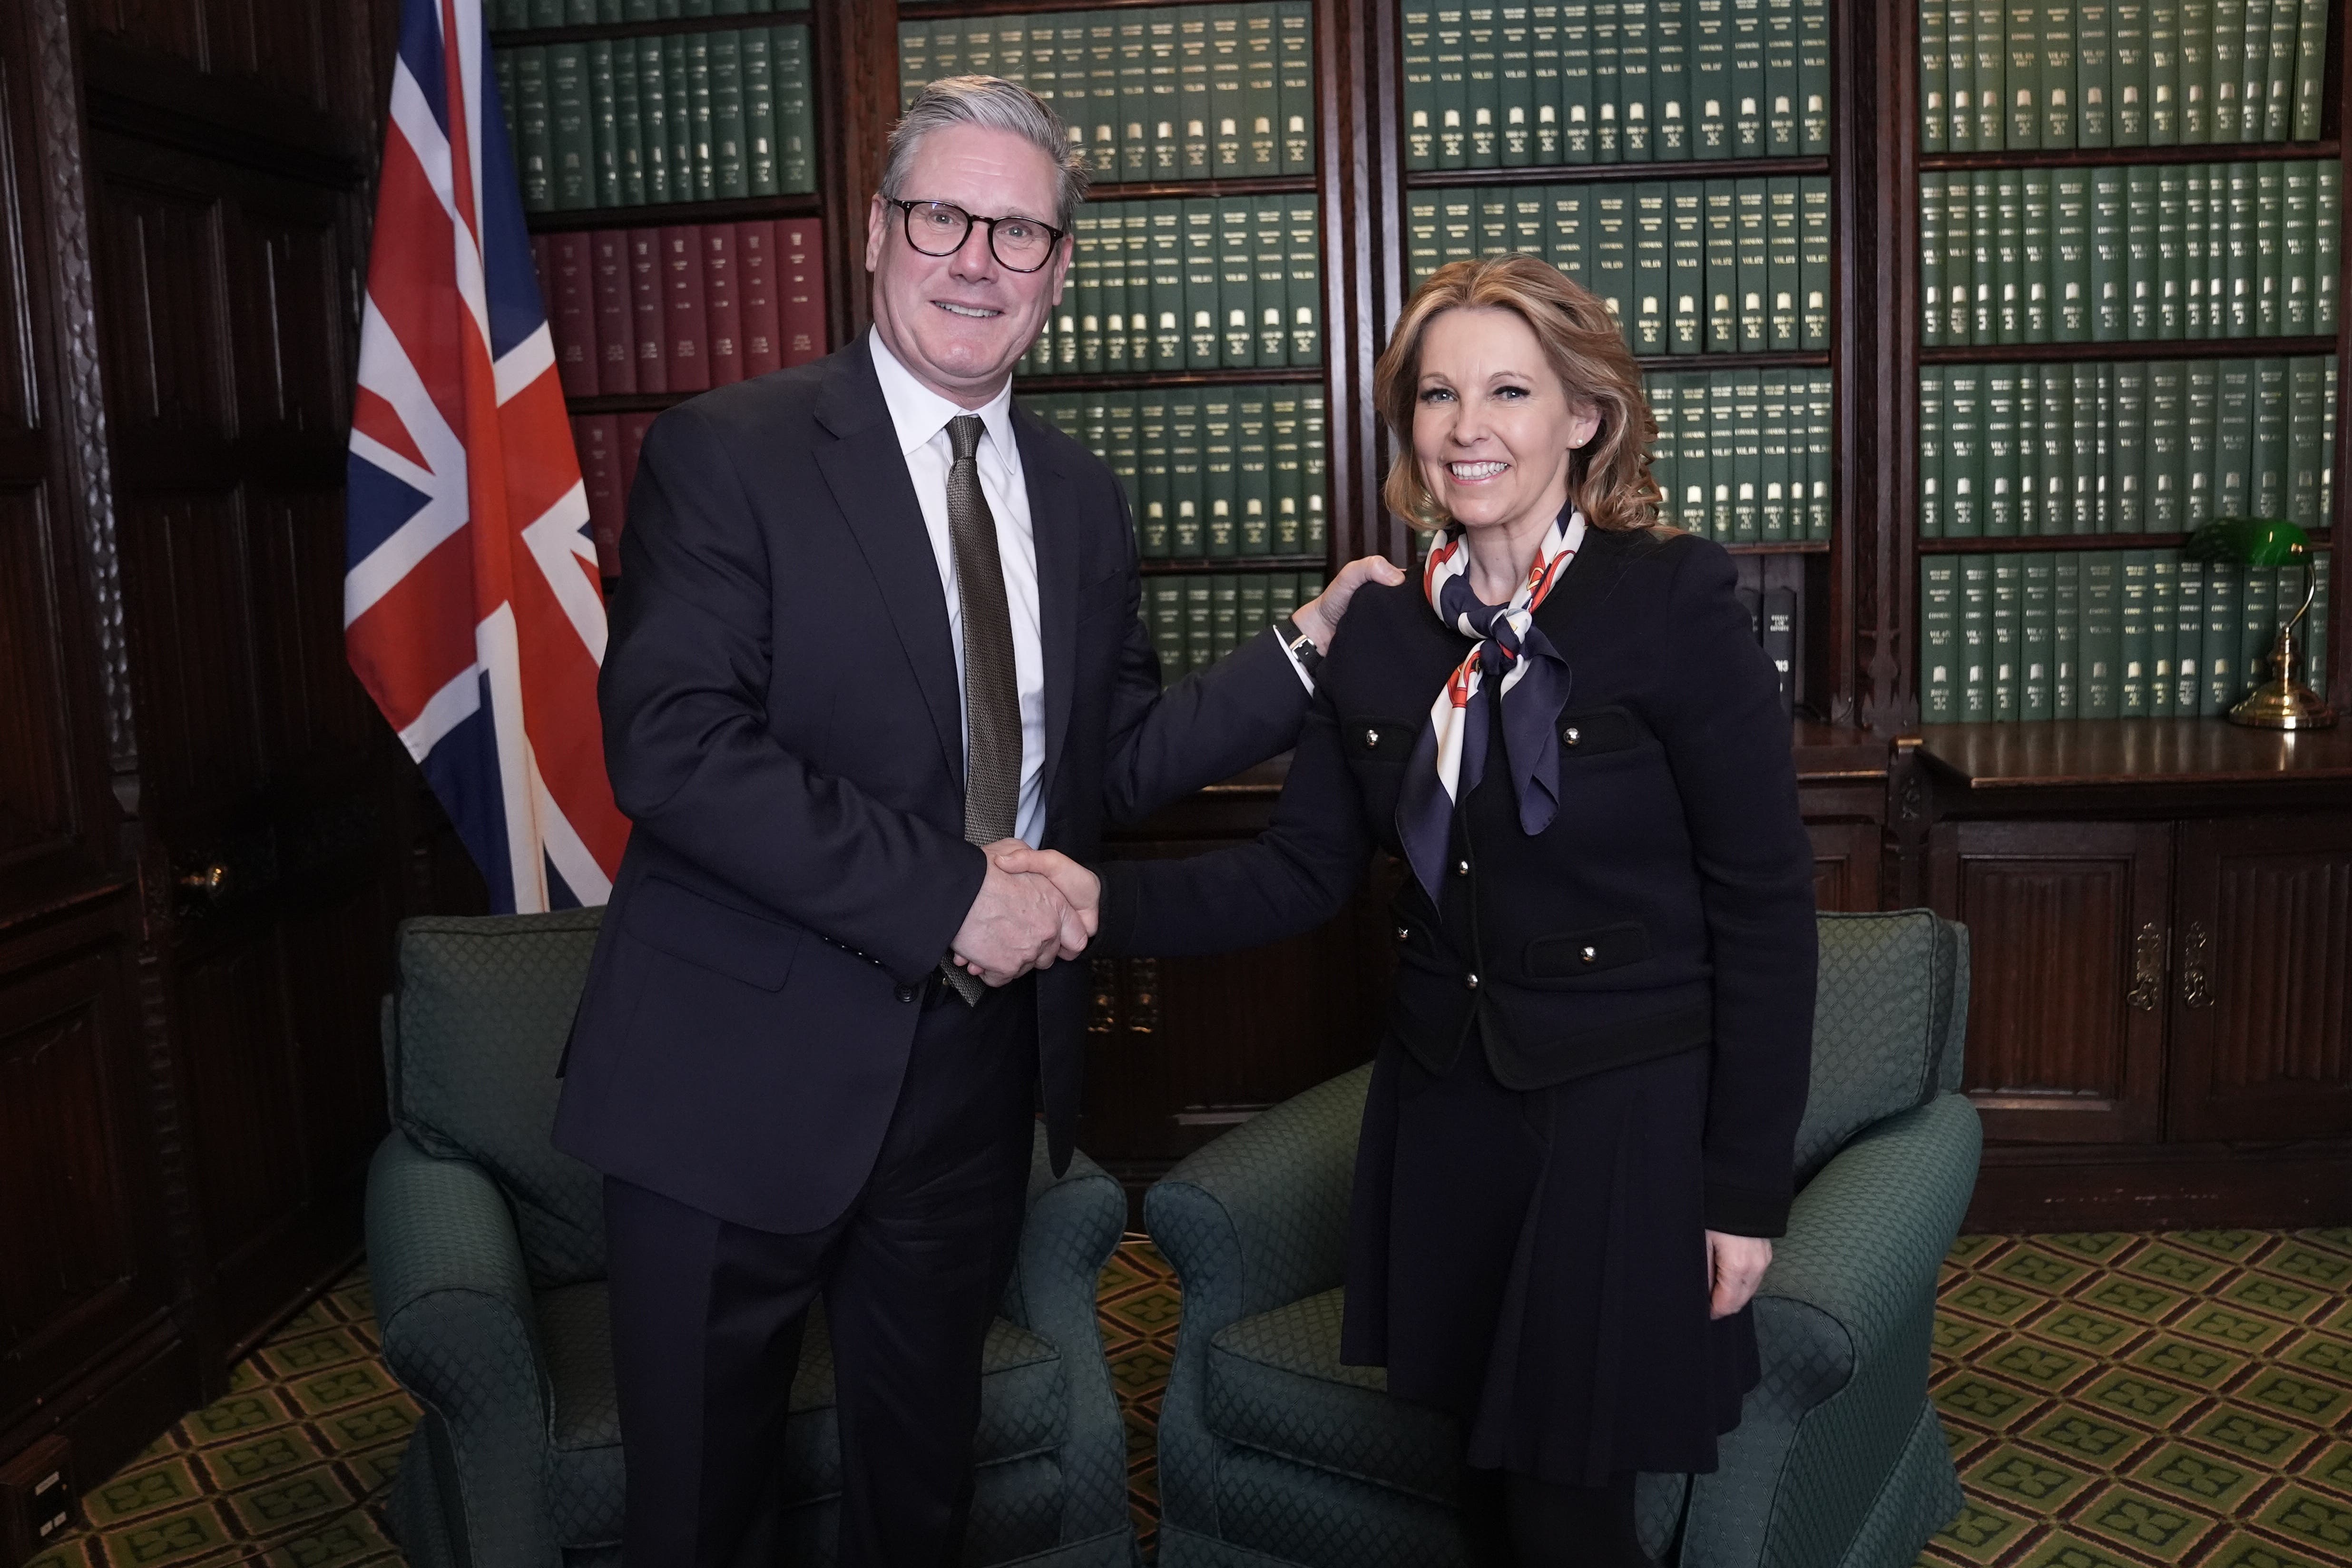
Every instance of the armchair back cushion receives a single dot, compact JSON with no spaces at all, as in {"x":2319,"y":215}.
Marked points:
{"x":473,"y":1033}
{"x":1890,"y":1014}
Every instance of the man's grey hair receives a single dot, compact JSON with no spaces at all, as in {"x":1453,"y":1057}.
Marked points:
{"x":1002,"y":105}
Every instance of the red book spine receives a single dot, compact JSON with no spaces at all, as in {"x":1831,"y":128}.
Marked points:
{"x":755,"y":278}
{"x":650,"y":309}
{"x":688,"y":325}
{"x":572,"y":314}
{"x":598,"y":438}
{"x":721,"y":299}
{"x":633,"y":440}
{"x":800,"y":258}
{"x":616,"y":337}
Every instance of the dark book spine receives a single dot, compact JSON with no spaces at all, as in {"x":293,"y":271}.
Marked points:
{"x":616,"y":342}
{"x":756,"y":278}
{"x":571,"y":312}
{"x":800,"y":261}
{"x":596,"y":438}
{"x":722,"y":303}
{"x":686,"y":323}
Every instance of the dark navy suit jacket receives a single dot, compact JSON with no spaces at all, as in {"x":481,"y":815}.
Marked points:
{"x":1668,"y":907}
{"x":783,"y":727}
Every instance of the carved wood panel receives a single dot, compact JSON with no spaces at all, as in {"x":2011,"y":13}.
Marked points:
{"x":37,"y":805}
{"x":164,"y":309}
{"x":190,"y":613}
{"x":2065,"y":1038}
{"x":2262,"y":1005}
{"x":1845,"y":865}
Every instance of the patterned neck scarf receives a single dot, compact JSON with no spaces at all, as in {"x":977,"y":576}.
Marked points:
{"x":1451,"y":754}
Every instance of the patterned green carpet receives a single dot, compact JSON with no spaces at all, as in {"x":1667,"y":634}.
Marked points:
{"x":2175,"y":1400}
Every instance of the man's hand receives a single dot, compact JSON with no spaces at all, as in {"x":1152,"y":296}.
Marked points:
{"x":1016,"y":924}
{"x":1081,"y":888}
{"x":1736,"y":1265}
{"x":1319,"y":616}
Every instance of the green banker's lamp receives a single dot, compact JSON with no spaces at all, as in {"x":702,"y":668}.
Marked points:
{"x":2282,"y":702}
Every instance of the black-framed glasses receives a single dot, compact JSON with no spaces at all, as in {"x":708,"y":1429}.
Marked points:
{"x":939,"y":228}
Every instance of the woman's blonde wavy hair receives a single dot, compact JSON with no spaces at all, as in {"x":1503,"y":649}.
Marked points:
{"x":1607,"y":477}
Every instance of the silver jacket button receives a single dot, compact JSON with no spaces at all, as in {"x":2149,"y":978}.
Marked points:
{"x":1462,"y":867}
{"x":1590,"y":953}
{"x":1405,"y":933}
{"x":1471,"y":981}
{"x":1571,"y":735}
{"x":1371,"y":738}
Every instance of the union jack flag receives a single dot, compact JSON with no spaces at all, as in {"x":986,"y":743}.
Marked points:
{"x":471,"y":610}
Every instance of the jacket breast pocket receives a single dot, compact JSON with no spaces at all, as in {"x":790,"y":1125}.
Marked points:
{"x":695,"y":930}
{"x":1598,"y":733}
{"x":1572,"y":956}
{"x":1377,"y":751}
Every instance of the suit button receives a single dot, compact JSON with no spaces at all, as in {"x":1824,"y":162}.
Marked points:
{"x":1371,"y":739}
{"x":1405,"y":933}
{"x":1462,"y":867}
{"x":905,"y":993}
{"x":1590,"y":953}
{"x":1471,"y":981}
{"x":1571,"y":735}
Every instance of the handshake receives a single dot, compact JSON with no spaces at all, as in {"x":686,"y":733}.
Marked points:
{"x":1034,"y":906}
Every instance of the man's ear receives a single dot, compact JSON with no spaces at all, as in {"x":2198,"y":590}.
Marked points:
{"x":878,"y":230}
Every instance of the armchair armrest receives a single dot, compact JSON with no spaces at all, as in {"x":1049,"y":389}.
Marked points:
{"x":454,"y":1308}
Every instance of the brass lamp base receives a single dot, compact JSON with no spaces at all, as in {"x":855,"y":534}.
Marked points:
{"x":2283,"y":702}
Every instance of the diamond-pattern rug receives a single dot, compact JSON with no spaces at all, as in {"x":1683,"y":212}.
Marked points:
{"x":2173,"y":1401}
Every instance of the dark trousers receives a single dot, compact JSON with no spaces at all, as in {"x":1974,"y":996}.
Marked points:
{"x":707,"y":1320}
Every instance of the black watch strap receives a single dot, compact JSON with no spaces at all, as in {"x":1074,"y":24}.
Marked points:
{"x":1302,"y":646}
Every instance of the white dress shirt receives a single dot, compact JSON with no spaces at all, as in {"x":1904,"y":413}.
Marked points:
{"x":920,"y":417}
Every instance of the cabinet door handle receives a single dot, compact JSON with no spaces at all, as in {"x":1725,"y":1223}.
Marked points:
{"x":2195,"y":990}
{"x":2147,"y":968}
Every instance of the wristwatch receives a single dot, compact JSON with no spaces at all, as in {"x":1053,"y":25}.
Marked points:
{"x":1302,"y":646}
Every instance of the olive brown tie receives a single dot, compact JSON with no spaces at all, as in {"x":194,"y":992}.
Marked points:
{"x":992,"y":699}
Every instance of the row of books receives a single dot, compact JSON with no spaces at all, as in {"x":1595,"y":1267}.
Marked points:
{"x":683,"y":308}
{"x":1173,"y":92}
{"x":2160,"y":446}
{"x":516,"y":15}
{"x":2134,"y":73}
{"x":2104,"y":634}
{"x":1196,"y":620}
{"x":1688,"y":267}
{"x":1214,"y":472}
{"x":1196,"y":283}
{"x":1510,"y":86}
{"x":692,"y":117}
{"x":608,"y":445}
{"x":1743,"y":455}
{"x":2129,"y":254}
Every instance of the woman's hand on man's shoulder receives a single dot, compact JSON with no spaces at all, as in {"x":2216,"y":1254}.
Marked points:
{"x":1319,"y":616}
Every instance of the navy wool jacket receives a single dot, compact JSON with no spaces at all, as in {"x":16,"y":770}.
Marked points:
{"x":1669,"y":906}
{"x":783,"y":729}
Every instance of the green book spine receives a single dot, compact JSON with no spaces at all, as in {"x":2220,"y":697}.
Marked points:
{"x":2037,"y":633}
{"x":1165,"y":254}
{"x":1983,"y":236}
{"x":2058,"y":99}
{"x":1458,"y":225}
{"x":2094,"y":126}
{"x":1125,"y":454}
{"x":1201,"y":315}
{"x":2196,"y":71}
{"x":1783,"y":258}
{"x":2021,"y":75}
{"x":2305,"y":399}
{"x":2009,"y":257}
{"x":1710,"y":78}
{"x":1976,"y":637}
{"x":1270,"y":218}
{"x":1813,"y":263}
{"x":1780,"y":136}
{"x":2269,"y":211}
{"x":1686,"y":268}
{"x":1931,"y":452}
{"x":1135,"y":240}
{"x":1262,"y":87}
{"x":1236,"y":283}
{"x":1696,"y":469}
{"x":653,"y":118}
{"x":1932,"y":87}
{"x":2315,"y":646}
{"x":502,"y":73}
{"x":2039,"y":315}
{"x":1452,"y":89}
{"x":2267,"y":471}
{"x":2310,"y":68}
{"x":1670,"y":81}
{"x":2102,"y":383}
{"x":2066,"y":634}
{"x":604,"y":123}
{"x":2234,"y":438}
{"x":2203,"y":378}
{"x":2298,"y":191}
{"x":1421,"y":252}
{"x":2258,"y":626}
{"x":1282,"y":444}
{"x":947,"y":50}
{"x":2129,"y":447}
{"x":534,"y":129}
{"x":2253,"y":70}
{"x":1664,"y":391}
{"x":1305,"y":293}
{"x":2278,"y":96}
{"x":2229,"y":59}
{"x":2171,"y":252}
{"x":2197,"y":213}
{"x":1963,"y":450}
{"x":1105,"y":144}
{"x":1939,"y":634}
{"x":1612,"y":213}
{"x":1315,"y":466}
{"x":569,"y":112}
{"x":1163,"y":111}
{"x":1494,"y":210}
{"x":1608,"y":136}
{"x":730,"y":141}
{"x":915,"y":63}
{"x":547,"y":12}
{"x":795,"y":117}
{"x":2085,"y":460}
{"x":1747,"y":456}
{"x":1084,"y":289}
{"x":1192,"y":105}
{"x":1636,"y":80}
{"x":1186,"y":498}
{"x":1722,"y":456}
{"x":1544,"y":67}
{"x":1167,"y":627}
{"x":1751,"y":211}
{"x":1281,"y":594}
{"x":1514,"y":74}
{"x":1722,"y":298}
{"x":2102,"y":635}
{"x":1931,"y":258}
{"x":1482,"y":83}
{"x":2127,"y":72}
{"x":2140,"y":279}
{"x":1200,"y":622}
{"x":2163,"y":73}
{"x":2134,"y":659}
{"x":2163,"y":623}
{"x":701,"y":122}
{"x":2109,"y":272}
{"x":2029,"y":449}
{"x":1772,"y":432}
{"x":2070,"y":254}
{"x":2054,"y":468}
{"x":1748,"y":79}
{"x":2224,"y":583}
{"x":2327,"y":243}
{"x":1652,"y":288}
{"x":1997,"y":502}
{"x":1813,"y":78}
{"x":1254,"y":601}
{"x":1294,"y":20}
{"x":1991,"y":76}
{"x":1151,"y":473}
{"x":2327,"y":442}
{"x":1253,"y":473}
{"x":2167,"y":445}
{"x":1961,"y":76}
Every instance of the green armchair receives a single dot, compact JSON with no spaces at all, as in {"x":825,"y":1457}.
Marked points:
{"x":1273,"y":1452}
{"x":487,"y":1250}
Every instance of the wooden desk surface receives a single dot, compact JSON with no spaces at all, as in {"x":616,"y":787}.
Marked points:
{"x":2110,"y":753}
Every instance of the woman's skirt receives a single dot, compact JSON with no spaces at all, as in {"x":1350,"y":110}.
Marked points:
{"x":1536,"y":1265}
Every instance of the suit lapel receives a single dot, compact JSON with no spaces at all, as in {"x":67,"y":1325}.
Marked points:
{"x":1053,"y":530}
{"x":867,"y":474}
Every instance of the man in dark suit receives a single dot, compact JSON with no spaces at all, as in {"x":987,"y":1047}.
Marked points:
{"x":872,"y":620}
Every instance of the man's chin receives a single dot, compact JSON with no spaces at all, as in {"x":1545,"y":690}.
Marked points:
{"x":980,"y":352}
